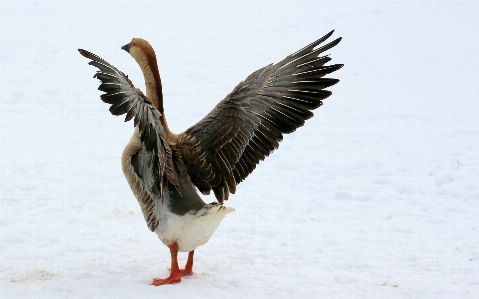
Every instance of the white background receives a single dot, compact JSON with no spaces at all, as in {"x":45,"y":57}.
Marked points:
{"x":376,"y":197}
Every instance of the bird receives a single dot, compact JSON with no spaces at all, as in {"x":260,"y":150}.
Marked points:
{"x":167,"y":172}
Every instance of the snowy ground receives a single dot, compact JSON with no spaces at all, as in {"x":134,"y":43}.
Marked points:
{"x":376,"y":197}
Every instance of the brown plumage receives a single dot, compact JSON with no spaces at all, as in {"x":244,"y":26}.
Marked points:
{"x":164,"y":169}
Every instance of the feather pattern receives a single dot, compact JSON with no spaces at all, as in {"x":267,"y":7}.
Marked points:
{"x":222,"y":149}
{"x":152,"y":160}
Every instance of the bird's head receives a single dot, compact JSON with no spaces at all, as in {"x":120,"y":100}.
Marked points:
{"x":141,"y":50}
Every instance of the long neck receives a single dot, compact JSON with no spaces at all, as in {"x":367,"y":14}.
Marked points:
{"x":154,"y":92}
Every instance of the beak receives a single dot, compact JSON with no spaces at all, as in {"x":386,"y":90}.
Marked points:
{"x":126,"y":47}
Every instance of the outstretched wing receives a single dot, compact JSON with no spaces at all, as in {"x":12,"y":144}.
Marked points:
{"x":152,"y":163}
{"x":223,"y":148}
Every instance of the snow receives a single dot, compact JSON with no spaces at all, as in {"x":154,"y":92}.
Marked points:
{"x":376,"y":197}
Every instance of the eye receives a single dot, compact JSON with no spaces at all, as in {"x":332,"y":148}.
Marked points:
{"x":134,"y":44}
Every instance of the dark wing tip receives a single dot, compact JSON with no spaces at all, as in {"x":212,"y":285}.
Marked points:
{"x":83,"y":52}
{"x":87,"y":54}
{"x":332,"y":44}
{"x":91,"y":56}
{"x":325,"y":37}
{"x":311,"y":46}
{"x":329,"y":34}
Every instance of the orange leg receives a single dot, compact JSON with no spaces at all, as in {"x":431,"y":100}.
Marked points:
{"x":189,"y":265}
{"x":175,"y":274}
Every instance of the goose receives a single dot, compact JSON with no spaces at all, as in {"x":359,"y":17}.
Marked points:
{"x":165,"y":170}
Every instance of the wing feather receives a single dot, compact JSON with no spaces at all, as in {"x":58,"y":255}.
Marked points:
{"x":152,"y":162}
{"x":222,"y":149}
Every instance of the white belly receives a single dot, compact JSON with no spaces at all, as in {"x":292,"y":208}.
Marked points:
{"x":192,"y":229}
